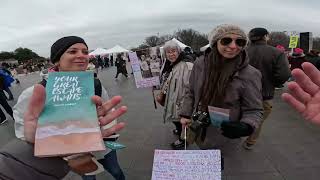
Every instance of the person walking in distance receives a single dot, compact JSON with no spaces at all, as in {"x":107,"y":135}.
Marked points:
{"x":121,"y":66}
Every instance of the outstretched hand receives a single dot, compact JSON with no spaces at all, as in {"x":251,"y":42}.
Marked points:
{"x":33,"y":112}
{"x":304,"y":94}
{"x":105,"y":114}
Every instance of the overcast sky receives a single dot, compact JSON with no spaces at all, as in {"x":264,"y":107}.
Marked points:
{"x":36,"y":24}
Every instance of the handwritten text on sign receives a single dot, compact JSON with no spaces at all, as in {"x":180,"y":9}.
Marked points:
{"x":187,"y":165}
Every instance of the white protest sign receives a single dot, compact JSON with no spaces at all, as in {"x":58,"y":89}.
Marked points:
{"x":136,"y":68}
{"x":186,"y":165}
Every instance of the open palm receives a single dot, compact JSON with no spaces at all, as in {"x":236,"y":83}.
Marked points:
{"x":304,"y":94}
{"x":33,"y":112}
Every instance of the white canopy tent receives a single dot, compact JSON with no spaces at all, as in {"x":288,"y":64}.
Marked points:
{"x":182,"y":46}
{"x":98,"y":51}
{"x":116,"y":49}
{"x":202,"y":49}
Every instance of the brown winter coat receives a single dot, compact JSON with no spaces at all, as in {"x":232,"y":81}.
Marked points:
{"x":179,"y":80}
{"x":273,"y":65}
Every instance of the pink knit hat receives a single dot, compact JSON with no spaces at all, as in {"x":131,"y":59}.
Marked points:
{"x":281,"y":48}
{"x":298,"y":51}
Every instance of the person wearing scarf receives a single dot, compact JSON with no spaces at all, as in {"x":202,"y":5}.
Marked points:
{"x":175,"y":77}
{"x":224,"y":81}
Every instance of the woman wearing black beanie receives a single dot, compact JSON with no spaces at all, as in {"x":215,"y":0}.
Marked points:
{"x":67,"y":54}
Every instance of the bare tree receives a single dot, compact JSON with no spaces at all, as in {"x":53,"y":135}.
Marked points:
{"x":152,"y":41}
{"x":200,"y":41}
{"x":316,"y":43}
{"x":165,"y":38}
{"x":191,"y":38}
{"x":6,"y":55}
{"x":186,"y":35}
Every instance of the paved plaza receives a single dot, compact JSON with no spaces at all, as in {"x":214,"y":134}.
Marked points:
{"x":288,"y":149}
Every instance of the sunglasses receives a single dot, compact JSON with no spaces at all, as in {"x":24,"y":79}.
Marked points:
{"x":239,"y":42}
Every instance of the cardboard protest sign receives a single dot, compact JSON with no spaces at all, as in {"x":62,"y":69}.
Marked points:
{"x":293,"y":41}
{"x":186,"y":165}
{"x":68,"y":124}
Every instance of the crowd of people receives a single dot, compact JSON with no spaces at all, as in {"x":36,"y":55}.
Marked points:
{"x":236,"y":75}
{"x":6,"y":78}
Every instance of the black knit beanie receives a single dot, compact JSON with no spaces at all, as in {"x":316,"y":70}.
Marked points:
{"x":61,"y":45}
{"x":257,"y":33}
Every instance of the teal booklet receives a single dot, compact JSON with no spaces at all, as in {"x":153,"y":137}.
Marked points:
{"x":218,"y":115}
{"x":68,"y":124}
{"x":113,"y":145}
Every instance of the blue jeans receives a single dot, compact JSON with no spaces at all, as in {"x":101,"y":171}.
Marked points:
{"x":111,"y":164}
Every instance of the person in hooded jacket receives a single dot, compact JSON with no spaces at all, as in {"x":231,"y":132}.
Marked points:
{"x":224,"y":84}
{"x":5,"y":69}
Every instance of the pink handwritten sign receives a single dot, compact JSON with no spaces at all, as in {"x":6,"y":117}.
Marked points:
{"x":186,"y":165}
{"x":141,"y":82}
{"x":148,"y":82}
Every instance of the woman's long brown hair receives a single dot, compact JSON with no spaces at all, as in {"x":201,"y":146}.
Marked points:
{"x":218,"y":73}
